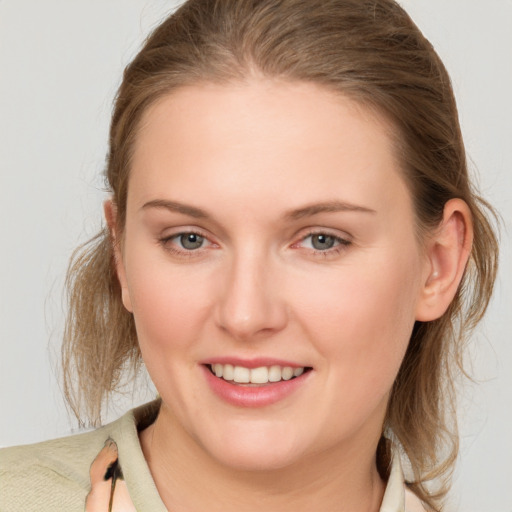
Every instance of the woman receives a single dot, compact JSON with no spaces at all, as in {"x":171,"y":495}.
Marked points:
{"x":291,"y":242}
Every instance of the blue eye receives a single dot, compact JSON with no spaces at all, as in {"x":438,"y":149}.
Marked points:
{"x":190,"y":241}
{"x":186,"y":244}
{"x":323,"y":242}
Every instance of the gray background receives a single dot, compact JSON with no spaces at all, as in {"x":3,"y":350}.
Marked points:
{"x":60,"y":64}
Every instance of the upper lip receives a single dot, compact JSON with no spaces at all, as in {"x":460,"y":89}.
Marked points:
{"x":256,"y":362}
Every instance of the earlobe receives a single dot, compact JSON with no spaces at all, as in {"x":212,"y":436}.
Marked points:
{"x":448,"y":251}
{"x":110,"y":211}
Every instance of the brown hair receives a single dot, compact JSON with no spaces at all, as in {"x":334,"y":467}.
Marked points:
{"x":370,"y":51}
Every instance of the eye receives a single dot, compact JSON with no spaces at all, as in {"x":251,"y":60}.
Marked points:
{"x":323,"y":242}
{"x":185,"y":243}
{"x":189,"y":241}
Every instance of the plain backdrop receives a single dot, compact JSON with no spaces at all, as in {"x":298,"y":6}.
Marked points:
{"x":60,"y":65}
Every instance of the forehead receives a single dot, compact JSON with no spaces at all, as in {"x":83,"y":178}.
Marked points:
{"x":262,"y":138}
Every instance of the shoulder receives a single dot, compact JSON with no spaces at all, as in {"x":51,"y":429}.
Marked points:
{"x":53,"y":475}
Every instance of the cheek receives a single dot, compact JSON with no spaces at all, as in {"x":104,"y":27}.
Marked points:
{"x":170,"y":313}
{"x":362,"y":321}
{"x":168,"y":305}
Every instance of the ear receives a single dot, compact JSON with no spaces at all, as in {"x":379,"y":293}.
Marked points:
{"x":111,"y":217}
{"x":448,"y":251}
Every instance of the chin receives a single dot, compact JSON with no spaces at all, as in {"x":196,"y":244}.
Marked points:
{"x":255,"y":449}
{"x":257,"y":460}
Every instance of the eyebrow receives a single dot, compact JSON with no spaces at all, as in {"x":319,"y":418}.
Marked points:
{"x":327,"y":207}
{"x":174,"y":206}
{"x":297,"y":214}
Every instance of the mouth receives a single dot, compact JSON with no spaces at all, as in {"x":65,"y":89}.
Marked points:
{"x":259,"y":376}
{"x":255,"y":383}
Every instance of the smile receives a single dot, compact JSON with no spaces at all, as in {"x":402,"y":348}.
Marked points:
{"x":255,"y":383}
{"x":260,"y":375}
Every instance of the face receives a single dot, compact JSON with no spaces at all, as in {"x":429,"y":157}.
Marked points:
{"x":270,"y":261}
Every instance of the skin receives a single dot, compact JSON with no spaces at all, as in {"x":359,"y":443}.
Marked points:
{"x":248,"y":156}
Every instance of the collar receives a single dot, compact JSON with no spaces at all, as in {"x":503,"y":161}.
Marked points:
{"x":397,"y":498}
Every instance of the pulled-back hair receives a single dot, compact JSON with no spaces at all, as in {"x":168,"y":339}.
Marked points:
{"x":371,"y":52}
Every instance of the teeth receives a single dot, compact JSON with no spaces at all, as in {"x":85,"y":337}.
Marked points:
{"x":274,"y":374}
{"x":261,"y":375}
{"x":228,"y":372}
{"x":242,"y":375}
{"x":298,"y":372}
{"x":217,"y":369}
{"x":287,"y":373}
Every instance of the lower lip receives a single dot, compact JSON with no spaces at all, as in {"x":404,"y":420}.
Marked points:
{"x":253,"y":396}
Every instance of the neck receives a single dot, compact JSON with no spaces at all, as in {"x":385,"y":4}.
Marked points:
{"x":187,"y":478}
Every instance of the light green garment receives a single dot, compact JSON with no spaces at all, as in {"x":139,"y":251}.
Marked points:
{"x":55,"y":475}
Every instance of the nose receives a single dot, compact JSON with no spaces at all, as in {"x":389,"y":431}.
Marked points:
{"x":252,"y":304}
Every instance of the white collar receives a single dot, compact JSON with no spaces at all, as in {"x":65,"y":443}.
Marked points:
{"x":397,"y":498}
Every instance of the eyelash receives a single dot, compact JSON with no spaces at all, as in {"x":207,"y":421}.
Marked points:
{"x":341,"y":244}
{"x":167,"y":244}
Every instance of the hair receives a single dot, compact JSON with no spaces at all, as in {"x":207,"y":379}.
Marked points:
{"x":371,"y":52}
